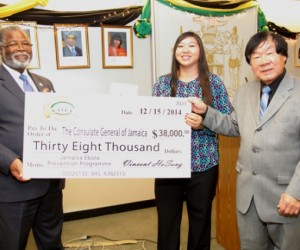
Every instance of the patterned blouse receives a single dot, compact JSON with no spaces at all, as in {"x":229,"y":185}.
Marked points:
{"x":205,"y":154}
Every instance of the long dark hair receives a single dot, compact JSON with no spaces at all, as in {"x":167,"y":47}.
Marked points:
{"x":203,"y":70}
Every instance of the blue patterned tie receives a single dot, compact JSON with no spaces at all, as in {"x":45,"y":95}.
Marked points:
{"x":73,"y":51}
{"x":26,"y":85}
{"x":264,"y":100}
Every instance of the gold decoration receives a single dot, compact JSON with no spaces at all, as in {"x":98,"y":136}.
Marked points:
{"x":21,"y":6}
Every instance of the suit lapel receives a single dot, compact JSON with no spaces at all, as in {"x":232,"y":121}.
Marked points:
{"x":254,"y":95}
{"x":38,"y":85}
{"x":8,"y":82}
{"x":281,"y":95}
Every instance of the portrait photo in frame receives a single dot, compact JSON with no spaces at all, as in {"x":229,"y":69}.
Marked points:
{"x":117,"y":46}
{"x":297,"y":51}
{"x":31,"y":30}
{"x":71,"y":43}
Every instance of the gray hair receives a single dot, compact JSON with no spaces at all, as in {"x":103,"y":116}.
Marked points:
{"x":4,"y":31}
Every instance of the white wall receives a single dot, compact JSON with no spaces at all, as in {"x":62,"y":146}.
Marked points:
{"x":284,"y":13}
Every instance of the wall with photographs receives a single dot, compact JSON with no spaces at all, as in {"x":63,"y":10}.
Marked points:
{"x":86,"y":77}
{"x":90,"y":77}
{"x":81,"y":194}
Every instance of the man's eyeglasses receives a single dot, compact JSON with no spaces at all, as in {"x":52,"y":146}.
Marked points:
{"x":15,"y":45}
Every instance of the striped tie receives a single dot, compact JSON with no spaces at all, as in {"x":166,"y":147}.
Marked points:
{"x":73,"y":51}
{"x":264,"y":100}
{"x":26,"y":85}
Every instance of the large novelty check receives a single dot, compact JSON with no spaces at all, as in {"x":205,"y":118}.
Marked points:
{"x":102,"y":136}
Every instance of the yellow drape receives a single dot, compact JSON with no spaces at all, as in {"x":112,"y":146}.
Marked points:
{"x":21,"y":6}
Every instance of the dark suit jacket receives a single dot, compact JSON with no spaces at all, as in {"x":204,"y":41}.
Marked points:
{"x":11,"y":138}
{"x":67,"y":51}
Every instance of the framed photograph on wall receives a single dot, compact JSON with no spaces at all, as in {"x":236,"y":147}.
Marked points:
{"x":31,"y":30}
{"x":117,"y":48}
{"x":71,"y":43}
{"x":297,"y":51}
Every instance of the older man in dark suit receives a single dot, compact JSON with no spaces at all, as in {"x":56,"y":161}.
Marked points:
{"x":24,"y":204}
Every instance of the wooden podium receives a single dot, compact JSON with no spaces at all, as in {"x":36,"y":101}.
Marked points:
{"x":226,"y":225}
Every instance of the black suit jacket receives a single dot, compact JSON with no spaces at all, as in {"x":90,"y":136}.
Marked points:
{"x":67,"y":51}
{"x":12,"y":100}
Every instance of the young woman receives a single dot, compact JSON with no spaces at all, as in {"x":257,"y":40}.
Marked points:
{"x":190,"y":76}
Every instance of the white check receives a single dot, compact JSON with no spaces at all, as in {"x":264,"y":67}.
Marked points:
{"x":102,"y":136}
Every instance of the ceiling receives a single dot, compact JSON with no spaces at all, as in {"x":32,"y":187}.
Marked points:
{"x":284,"y":13}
